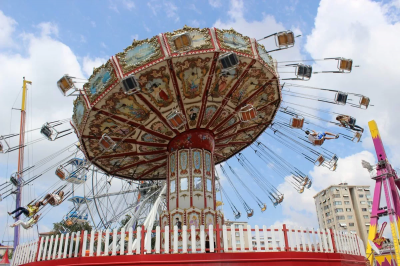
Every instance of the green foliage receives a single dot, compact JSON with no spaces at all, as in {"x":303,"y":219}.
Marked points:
{"x":74,"y":227}
{"x":125,"y":221}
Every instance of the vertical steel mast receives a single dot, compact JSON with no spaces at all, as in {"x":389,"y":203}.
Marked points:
{"x":20,"y":157}
{"x":385,"y":176}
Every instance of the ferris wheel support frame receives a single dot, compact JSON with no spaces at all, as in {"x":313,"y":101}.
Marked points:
{"x":20,"y":157}
{"x":386,"y":177}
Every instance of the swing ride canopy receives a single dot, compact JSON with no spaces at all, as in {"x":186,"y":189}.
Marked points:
{"x":191,"y":82}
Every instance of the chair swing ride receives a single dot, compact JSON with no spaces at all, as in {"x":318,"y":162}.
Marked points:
{"x":161,"y":115}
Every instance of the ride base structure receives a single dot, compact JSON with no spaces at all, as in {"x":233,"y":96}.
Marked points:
{"x":386,"y":177}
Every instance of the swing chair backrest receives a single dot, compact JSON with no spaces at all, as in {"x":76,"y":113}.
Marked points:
{"x":182,"y":42}
{"x":250,"y":213}
{"x":320,"y":160}
{"x":247,"y":113}
{"x":106,"y":142}
{"x":318,"y":142}
{"x":228,"y":61}
{"x":341,"y":98}
{"x":65,"y":84}
{"x":285,"y":39}
{"x":130,"y":85}
{"x":297,"y":122}
{"x":264,"y":208}
{"x":176,"y":119}
{"x":357,"y":136}
{"x":1,"y":148}
{"x":47,"y":131}
{"x":345,"y":65}
{"x":301,"y":190}
{"x":60,"y":172}
{"x":303,"y":71}
{"x":364,"y":101}
{"x":309,"y":184}
{"x":237,"y":215}
{"x":280,"y":199}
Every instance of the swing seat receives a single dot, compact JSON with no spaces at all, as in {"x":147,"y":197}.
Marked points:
{"x":320,"y":160}
{"x":301,"y":189}
{"x":228,"y":61}
{"x":15,"y":180}
{"x":284,"y":39}
{"x":176,"y":119}
{"x":130,"y":85}
{"x":364,"y":101}
{"x":237,"y":215}
{"x":309,"y":184}
{"x":341,"y":98}
{"x":250,"y":213}
{"x":264,"y":208}
{"x":318,"y":142}
{"x":357,"y":136}
{"x":182,"y":42}
{"x":303,"y":72}
{"x":345,"y":65}
{"x":1,"y":148}
{"x":333,"y":160}
{"x":297,"y":122}
{"x":65,"y":84}
{"x":106,"y":142}
{"x":48,"y":132}
{"x":247,"y":113}
{"x":280,"y":199}
{"x":306,"y":179}
{"x":69,"y":222}
{"x":333,"y":167}
{"x":60,"y":173}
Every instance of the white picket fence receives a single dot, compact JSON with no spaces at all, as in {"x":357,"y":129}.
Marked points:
{"x":227,"y":239}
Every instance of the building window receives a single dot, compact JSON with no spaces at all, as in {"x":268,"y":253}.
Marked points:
{"x":361,"y":195}
{"x":338,"y":210}
{"x":237,"y":226}
{"x":366,"y":216}
{"x":349,"y":216}
{"x":352,"y":231}
{"x":336,"y":195}
{"x":364,"y":209}
{"x":351,"y":224}
{"x":348,"y":209}
{"x":340,"y":217}
{"x":347,"y":203}
{"x":369,"y":202}
{"x":237,"y":242}
{"x":237,"y":234}
{"x":337,"y":203}
{"x":346,"y":196}
{"x":363,"y":202}
{"x":327,"y":214}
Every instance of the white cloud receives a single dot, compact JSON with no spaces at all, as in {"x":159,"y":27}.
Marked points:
{"x":215,"y":3}
{"x":48,"y":28}
{"x":102,"y":44}
{"x":361,"y":34}
{"x":195,"y":23}
{"x":7,"y":27}
{"x":135,"y":37}
{"x":89,"y":63}
{"x":129,"y":4}
{"x":171,"y":10}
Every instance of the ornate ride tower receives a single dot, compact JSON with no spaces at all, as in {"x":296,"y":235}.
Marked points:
{"x":172,"y":107}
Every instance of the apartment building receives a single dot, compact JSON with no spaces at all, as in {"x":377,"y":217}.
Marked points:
{"x":236,"y":225}
{"x":345,"y":207}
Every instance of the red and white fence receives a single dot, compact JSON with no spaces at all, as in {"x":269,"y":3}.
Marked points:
{"x":225,"y":239}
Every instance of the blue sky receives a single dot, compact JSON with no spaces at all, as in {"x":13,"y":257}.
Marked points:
{"x":86,"y":33}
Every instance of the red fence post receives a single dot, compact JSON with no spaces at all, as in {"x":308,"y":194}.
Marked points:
{"x":218,"y":239}
{"x":81,"y":244}
{"x":38,"y":247}
{"x":333,"y":241}
{"x":142,"y":241}
{"x":285,"y":230}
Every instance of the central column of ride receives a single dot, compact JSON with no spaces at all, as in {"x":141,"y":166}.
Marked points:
{"x":191,"y":181}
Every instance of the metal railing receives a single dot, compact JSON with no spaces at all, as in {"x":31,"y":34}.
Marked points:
{"x":225,"y":239}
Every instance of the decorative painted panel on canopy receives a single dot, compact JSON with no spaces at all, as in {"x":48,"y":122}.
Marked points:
{"x":192,"y":83}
